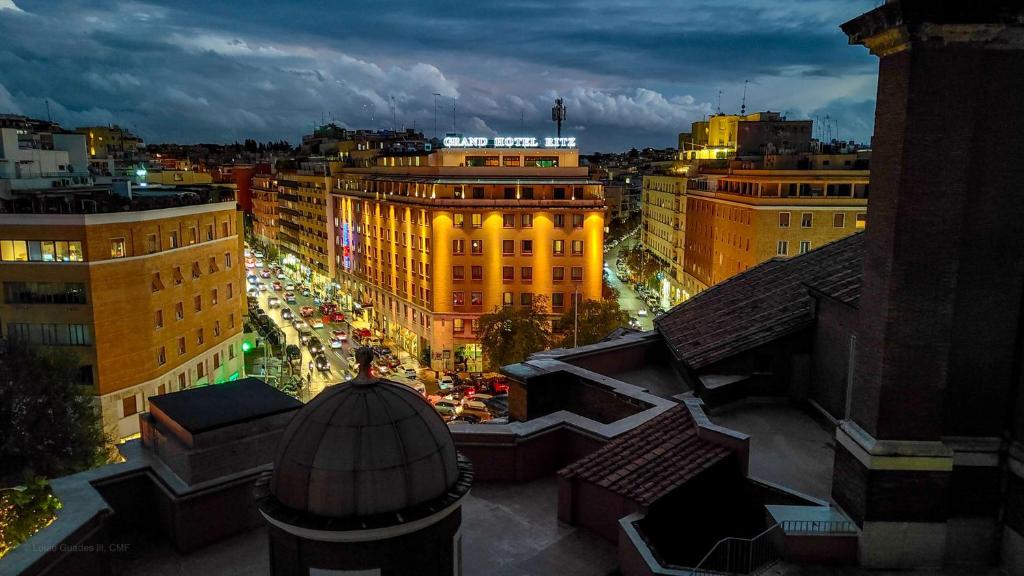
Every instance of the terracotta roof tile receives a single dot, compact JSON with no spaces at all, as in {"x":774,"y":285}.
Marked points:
{"x":651,"y":460}
{"x":762,"y":304}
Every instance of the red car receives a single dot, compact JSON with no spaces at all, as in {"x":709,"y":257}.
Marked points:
{"x":336,"y":317}
{"x":277,"y":286}
{"x":328,"y":308}
{"x":361,"y":333}
{"x":306,"y":311}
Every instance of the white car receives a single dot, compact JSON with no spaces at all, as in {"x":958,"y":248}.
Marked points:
{"x":410,"y":373}
{"x":259,"y":254}
{"x":336,"y":342}
{"x":289,"y":287}
{"x":316,"y":323}
{"x":274,"y":302}
{"x":299,"y":324}
{"x":253,"y":292}
{"x":259,"y":263}
{"x":417,"y":386}
{"x":446,"y":382}
{"x":281,"y":276}
{"x":641,"y":312}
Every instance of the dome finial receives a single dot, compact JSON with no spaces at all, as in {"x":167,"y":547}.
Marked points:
{"x":364,"y":358}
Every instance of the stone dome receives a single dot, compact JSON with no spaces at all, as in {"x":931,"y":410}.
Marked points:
{"x":364,"y":448}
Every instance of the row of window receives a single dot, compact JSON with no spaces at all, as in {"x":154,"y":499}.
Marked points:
{"x":41,"y":251}
{"x":476,"y":220}
{"x":782,"y":249}
{"x":525,"y":273}
{"x":807,"y":220}
{"x":51,"y":334}
{"x":119,"y":246}
{"x":199,"y":337}
{"x":212,"y":267}
{"x":508,"y":299}
{"x":476,"y":247}
{"x":197,"y":306}
{"x":44,"y":293}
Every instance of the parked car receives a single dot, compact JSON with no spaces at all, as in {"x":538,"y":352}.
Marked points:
{"x":276,"y":285}
{"x":286,"y":314}
{"x":306,"y":311}
{"x":446,"y":382}
{"x":306,"y":292}
{"x":274,"y":302}
{"x":410,"y":373}
{"x":252,"y":279}
{"x":262,"y":287}
{"x":316,"y":323}
{"x":417,"y":386}
{"x":321,"y":363}
{"x":335,"y":317}
{"x":474,"y":408}
{"x":265,"y":273}
{"x":253,"y":292}
{"x":293,"y":353}
{"x":314,"y":344}
{"x":258,"y":253}
{"x":289,"y":286}
{"x":289,"y":297}
{"x":305,"y":336}
{"x":328,"y":308}
{"x":281,"y":276}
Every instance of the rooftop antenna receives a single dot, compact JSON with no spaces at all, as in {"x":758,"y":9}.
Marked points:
{"x":48,"y":118}
{"x":719,"y":102}
{"x":394,"y":116}
{"x":558,"y":114}
{"x":743,"y":106}
{"x":828,"y":125}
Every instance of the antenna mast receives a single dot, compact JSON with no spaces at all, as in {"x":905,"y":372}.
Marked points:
{"x":558,"y":114}
{"x":743,"y":106}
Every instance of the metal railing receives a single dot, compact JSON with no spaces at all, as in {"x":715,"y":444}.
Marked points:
{"x":818,"y":527}
{"x":739,"y":555}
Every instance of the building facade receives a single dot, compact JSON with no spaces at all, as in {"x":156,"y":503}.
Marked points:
{"x":426,"y":242}
{"x":150,"y":301}
{"x":663,"y":227}
{"x":738,"y":218}
{"x":111,"y":142}
{"x":303,"y":196}
{"x":264,"y":209}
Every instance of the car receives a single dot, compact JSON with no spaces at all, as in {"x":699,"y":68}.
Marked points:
{"x":497,"y":405}
{"x":410,"y":373}
{"x":305,"y":336}
{"x":262,"y":287}
{"x":306,"y":292}
{"x":299,"y":324}
{"x":374,"y":341}
{"x":253,"y":292}
{"x":264,"y":273}
{"x":474,"y":408}
{"x":321,"y":363}
{"x":274,"y":302}
{"x":336,"y":317}
{"x":361,"y":333}
{"x":641,"y":312}
{"x":286,"y":314}
{"x":316,"y":323}
{"x":478,"y":398}
{"x":336,"y":342}
{"x":328,"y":307}
{"x":258,"y":253}
{"x":417,"y":386}
{"x":339,"y":334}
{"x":281,"y":276}
{"x":446,"y":408}
{"x":314,"y":345}
{"x":252,"y":279}
{"x":293,"y":353}
{"x":289,"y":297}
{"x":446,"y":382}
{"x":276,"y":285}
{"x":306,"y":311}
{"x":289,"y":287}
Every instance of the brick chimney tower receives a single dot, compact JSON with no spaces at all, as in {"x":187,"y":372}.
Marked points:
{"x":937,"y":409}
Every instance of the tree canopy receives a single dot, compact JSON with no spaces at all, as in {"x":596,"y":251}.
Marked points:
{"x":49,"y":424}
{"x":510,"y":334}
{"x":597,"y":318}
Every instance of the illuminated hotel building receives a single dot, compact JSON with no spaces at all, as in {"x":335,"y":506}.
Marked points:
{"x":148,"y":301}
{"x":427,"y":241}
{"x":739,"y":217}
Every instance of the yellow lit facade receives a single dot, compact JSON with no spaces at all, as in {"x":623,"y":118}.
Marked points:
{"x":737,"y":219}
{"x":148,"y":301}
{"x":303,"y":198}
{"x":427,"y":242}
{"x":663,"y":228}
{"x":264,"y":209}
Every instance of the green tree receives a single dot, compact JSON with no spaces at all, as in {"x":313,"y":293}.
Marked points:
{"x":510,"y":334}
{"x":596,"y":319}
{"x":48,"y":423}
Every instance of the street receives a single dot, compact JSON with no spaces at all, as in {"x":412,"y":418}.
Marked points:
{"x":628,"y":299}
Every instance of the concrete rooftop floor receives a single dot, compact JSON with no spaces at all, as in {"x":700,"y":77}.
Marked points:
{"x":508,"y":530}
{"x":787,"y":446}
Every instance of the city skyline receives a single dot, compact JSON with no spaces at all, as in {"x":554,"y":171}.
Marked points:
{"x":630,"y":76}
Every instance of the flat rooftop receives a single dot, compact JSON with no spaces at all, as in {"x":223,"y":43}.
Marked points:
{"x":508,"y":530}
{"x":787,"y":446}
{"x":98,"y":199}
{"x":210,"y":407}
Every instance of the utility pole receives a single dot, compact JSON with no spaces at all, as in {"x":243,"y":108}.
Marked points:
{"x":435,"y":113}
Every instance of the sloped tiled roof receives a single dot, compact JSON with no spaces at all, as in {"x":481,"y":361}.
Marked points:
{"x":650,"y":460}
{"x":762,"y":304}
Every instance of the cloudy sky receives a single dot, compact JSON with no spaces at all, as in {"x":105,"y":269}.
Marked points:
{"x":632,"y":72}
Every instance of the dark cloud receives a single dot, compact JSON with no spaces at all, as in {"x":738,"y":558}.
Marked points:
{"x":633,"y":73}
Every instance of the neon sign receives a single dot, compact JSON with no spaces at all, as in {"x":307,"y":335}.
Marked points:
{"x":508,"y":142}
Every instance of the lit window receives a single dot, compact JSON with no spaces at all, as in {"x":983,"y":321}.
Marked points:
{"x":476,"y":246}
{"x":458,"y":298}
{"x":577,"y":247}
{"x":477,"y":220}
{"x":458,"y":325}
{"x":506,"y":299}
{"x":476,"y":298}
{"x":181,"y":346}
{"x":117,"y":248}
{"x":458,"y":246}
{"x":508,"y":220}
{"x":558,"y":247}
{"x":862,"y":220}
{"x":460,"y":220}
{"x":526,"y":221}
{"x":161,"y":357}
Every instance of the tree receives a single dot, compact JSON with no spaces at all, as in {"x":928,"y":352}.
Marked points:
{"x":48,"y":423}
{"x":607,"y":291}
{"x":510,"y":334}
{"x":597,"y":318}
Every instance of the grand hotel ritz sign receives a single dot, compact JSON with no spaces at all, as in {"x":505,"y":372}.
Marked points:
{"x":508,"y":142}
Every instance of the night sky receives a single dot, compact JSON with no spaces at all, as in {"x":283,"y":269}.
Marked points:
{"x":632,"y":72}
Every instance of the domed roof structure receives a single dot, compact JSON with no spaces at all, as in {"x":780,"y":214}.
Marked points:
{"x":364,"y":448}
